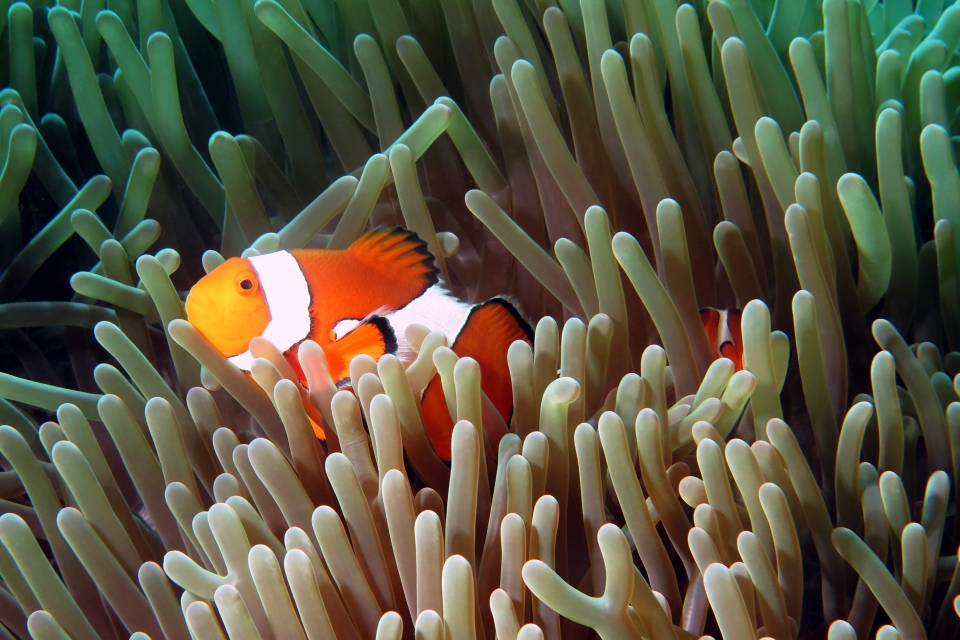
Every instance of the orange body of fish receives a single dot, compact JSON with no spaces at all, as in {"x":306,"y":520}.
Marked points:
{"x":358,"y":301}
{"x":723,"y":331}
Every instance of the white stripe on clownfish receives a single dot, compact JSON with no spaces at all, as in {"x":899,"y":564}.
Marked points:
{"x":437,"y":310}
{"x":724,"y":335}
{"x":344,"y":327}
{"x":288,"y":298}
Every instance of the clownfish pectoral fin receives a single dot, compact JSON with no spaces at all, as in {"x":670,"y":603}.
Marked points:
{"x":735,"y":337}
{"x":734,"y":353}
{"x":373,"y":337}
{"x":400,"y":253}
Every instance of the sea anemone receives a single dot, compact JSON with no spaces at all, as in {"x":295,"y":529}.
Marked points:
{"x":615,"y":167}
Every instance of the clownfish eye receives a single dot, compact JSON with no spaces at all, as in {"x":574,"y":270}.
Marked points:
{"x":246,"y":283}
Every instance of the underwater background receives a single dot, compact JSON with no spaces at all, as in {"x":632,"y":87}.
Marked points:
{"x":613,"y":165}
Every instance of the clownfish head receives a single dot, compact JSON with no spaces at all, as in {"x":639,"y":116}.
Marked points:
{"x":723,"y":330}
{"x":228,"y":306}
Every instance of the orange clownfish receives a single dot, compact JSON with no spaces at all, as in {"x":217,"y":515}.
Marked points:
{"x":357,"y":301}
{"x":723,"y":331}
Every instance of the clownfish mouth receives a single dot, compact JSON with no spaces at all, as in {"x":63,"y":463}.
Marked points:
{"x":202,"y":315}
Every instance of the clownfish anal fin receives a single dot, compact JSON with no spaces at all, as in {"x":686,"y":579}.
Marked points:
{"x":398,"y":251}
{"x":373,"y":337}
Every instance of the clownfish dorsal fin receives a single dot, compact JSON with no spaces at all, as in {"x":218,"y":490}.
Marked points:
{"x":373,"y":337}
{"x":399,"y":251}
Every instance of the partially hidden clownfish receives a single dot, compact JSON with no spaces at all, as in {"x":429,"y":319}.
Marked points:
{"x":357,"y":301}
{"x":723,"y":331}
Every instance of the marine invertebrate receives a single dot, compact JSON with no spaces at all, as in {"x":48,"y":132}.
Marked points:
{"x":616,"y":167}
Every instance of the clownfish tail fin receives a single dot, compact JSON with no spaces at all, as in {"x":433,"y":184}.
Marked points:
{"x":512,"y":307}
{"x":486,"y":336}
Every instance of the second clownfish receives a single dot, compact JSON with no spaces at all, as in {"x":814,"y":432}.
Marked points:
{"x":357,"y":301}
{"x":723,"y":331}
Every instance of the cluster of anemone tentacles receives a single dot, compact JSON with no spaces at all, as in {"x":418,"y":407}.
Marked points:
{"x":615,"y":165}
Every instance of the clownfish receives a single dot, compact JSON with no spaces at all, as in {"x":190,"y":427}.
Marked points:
{"x":723,"y":331}
{"x":357,"y":301}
